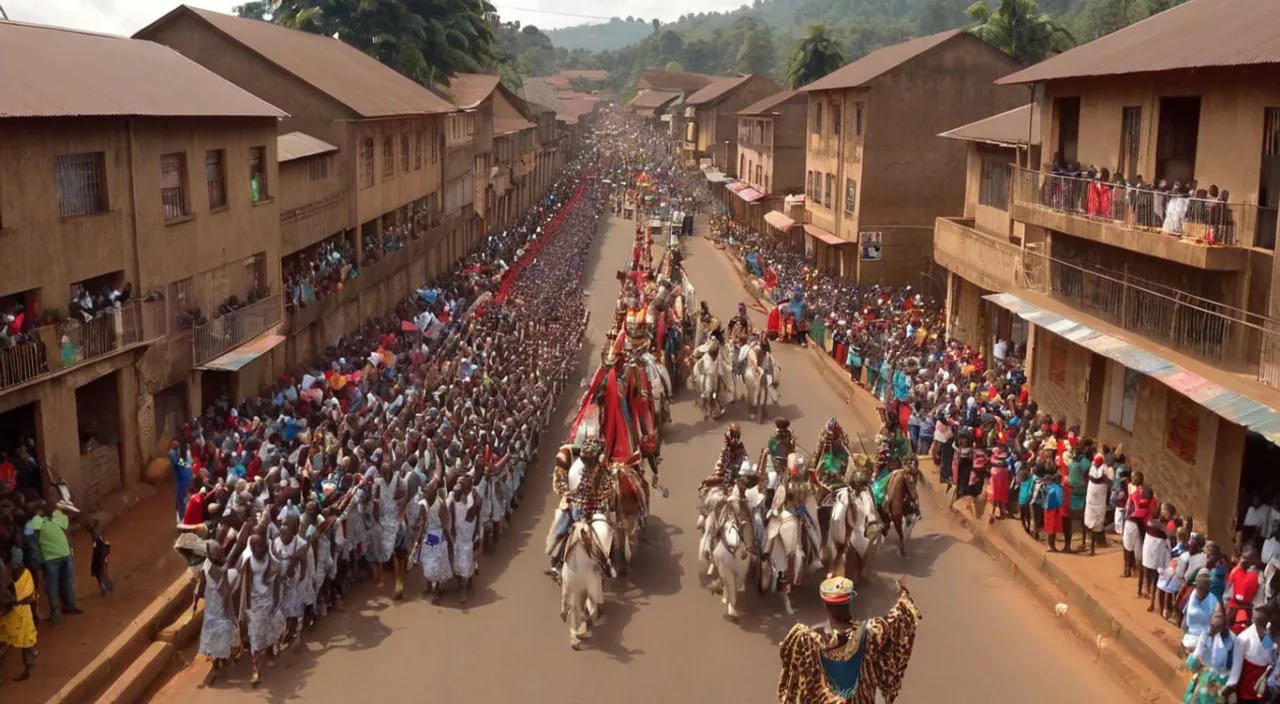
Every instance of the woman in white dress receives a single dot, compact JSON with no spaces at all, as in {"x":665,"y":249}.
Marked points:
{"x":386,"y":515}
{"x":435,"y":536}
{"x":1099,"y":479}
{"x":464,"y":507}
{"x":291,"y":553}
{"x":260,"y":594}
{"x":219,"y":630}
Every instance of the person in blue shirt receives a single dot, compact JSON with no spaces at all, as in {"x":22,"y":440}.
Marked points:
{"x":1053,"y":501}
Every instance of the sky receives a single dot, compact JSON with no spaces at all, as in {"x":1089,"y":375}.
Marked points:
{"x":128,"y":16}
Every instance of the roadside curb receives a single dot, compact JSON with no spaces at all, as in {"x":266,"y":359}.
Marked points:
{"x":1155,"y":676}
{"x":127,"y":667}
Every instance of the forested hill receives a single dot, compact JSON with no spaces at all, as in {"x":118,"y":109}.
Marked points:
{"x":614,"y":34}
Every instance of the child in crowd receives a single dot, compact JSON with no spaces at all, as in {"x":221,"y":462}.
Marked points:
{"x":100,"y":563}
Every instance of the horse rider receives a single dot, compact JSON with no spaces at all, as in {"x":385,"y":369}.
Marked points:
{"x":739,"y":331}
{"x":846,"y":661}
{"x":780,"y":446}
{"x":708,"y":325}
{"x":795,"y":496}
{"x":584,"y":490}
{"x":732,"y":454}
{"x":833,"y":456}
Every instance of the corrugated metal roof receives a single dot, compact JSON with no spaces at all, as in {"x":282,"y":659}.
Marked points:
{"x":1227,"y":404}
{"x":678,"y":81}
{"x":879,"y":62}
{"x":331,"y":66}
{"x":580,"y":106}
{"x":1196,"y":34}
{"x":236,"y":359}
{"x":772,"y":104}
{"x":537,"y":90}
{"x":57,"y":72}
{"x":507,"y":125}
{"x":779,"y":221}
{"x":299,"y":145}
{"x":652,"y":98}
{"x":470,"y":89}
{"x":1009,"y":128}
{"x":716,"y":90}
{"x":749,"y":194}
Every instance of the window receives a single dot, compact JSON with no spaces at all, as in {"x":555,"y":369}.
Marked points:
{"x":760,"y":176}
{"x":318,"y":168}
{"x":366,"y":162}
{"x":1123,"y":401}
{"x":215,"y":177}
{"x":258,"y":173}
{"x":173,"y":185}
{"x":404,"y":152}
{"x":817,"y":118}
{"x":808,"y":183}
{"x":742,"y":160}
{"x":1130,"y":141}
{"x":750,"y":167}
{"x":850,"y":195}
{"x":830,"y":191}
{"x":81,"y":181}
{"x":857,"y":118}
{"x":835,"y":120}
{"x":993,"y":183}
{"x":388,"y":158}
{"x":417,"y":151}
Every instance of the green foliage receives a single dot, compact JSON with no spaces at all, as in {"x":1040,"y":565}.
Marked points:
{"x":614,"y":34}
{"x":814,"y":57}
{"x":426,"y":40}
{"x":1020,"y":29}
{"x":253,"y":10}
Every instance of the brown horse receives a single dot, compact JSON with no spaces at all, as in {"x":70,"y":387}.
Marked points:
{"x":902,"y":504}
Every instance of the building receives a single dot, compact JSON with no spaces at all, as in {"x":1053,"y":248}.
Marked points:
{"x":536,"y":91}
{"x":876,"y":174}
{"x":366,"y":172}
{"x":771,"y":146}
{"x":650,"y":104}
{"x":711,"y":123}
{"x":1150,"y":312}
{"x":102,"y":142}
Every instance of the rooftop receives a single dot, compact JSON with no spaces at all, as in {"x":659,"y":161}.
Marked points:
{"x":56,"y":72}
{"x":772,"y":104}
{"x":331,"y":66}
{"x":880,"y":61}
{"x":676,"y":81}
{"x":1016,"y":127}
{"x":507,"y":125}
{"x":716,"y":89}
{"x":652,"y":98}
{"x":299,"y":145}
{"x":1195,"y":34}
{"x":471,"y":89}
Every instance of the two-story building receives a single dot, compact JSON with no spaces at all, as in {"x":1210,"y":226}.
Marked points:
{"x":876,"y":174}
{"x":650,"y":104}
{"x":711,"y":127}
{"x":102,"y":141}
{"x":366,"y":149}
{"x":1141,"y":246}
{"x":504,"y":172}
{"x":771,"y":145}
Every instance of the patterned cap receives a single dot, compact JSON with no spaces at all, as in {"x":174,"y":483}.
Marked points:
{"x":837,"y":590}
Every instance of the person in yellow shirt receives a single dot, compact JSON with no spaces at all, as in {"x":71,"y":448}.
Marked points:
{"x":17,"y":625}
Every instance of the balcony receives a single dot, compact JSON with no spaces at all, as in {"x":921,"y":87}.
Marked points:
{"x":229,"y":331}
{"x":1205,"y":233}
{"x":988,"y":262}
{"x":75,"y":342}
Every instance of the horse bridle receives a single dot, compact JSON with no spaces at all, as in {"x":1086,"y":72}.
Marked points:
{"x":873,"y":519}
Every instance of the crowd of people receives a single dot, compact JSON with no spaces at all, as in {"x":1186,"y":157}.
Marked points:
{"x":319,"y":272}
{"x":404,"y":445}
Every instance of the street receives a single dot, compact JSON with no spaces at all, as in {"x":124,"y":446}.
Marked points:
{"x":663,"y":637}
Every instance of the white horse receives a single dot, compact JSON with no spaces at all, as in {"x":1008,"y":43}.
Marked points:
{"x":785,"y":545}
{"x":662,"y":389}
{"x":582,"y":576}
{"x":732,"y":533}
{"x":711,"y":379}
{"x":855,"y":533}
{"x":760,"y":377}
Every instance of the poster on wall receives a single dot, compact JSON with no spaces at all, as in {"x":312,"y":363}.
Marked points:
{"x":1182,"y":427}
{"x":870,"y":245}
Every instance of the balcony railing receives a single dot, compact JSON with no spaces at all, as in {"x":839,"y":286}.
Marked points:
{"x":989,"y":262}
{"x":74,"y":342}
{"x":229,"y":331}
{"x":1217,"y":221}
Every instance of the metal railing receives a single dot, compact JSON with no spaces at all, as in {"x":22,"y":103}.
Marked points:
{"x":78,"y":341}
{"x":1218,"y":221}
{"x":230,"y":330}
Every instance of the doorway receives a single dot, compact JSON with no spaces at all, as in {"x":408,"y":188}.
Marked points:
{"x":1068,"y":112}
{"x":1269,"y":181}
{"x":98,"y":427}
{"x":1179,"y":132}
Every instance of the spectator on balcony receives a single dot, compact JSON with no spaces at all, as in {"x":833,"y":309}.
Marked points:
{"x":1175,"y":209}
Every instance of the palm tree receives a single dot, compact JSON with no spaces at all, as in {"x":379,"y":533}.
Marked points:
{"x":814,"y":57}
{"x":1019,"y":29}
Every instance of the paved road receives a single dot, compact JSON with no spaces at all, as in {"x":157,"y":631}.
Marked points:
{"x":663,"y":638}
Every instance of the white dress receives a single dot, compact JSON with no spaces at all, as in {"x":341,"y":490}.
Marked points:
{"x":290,"y":578}
{"x":218,"y":632}
{"x":1156,"y":553}
{"x":1095,"y":499}
{"x":434,"y":554}
{"x":464,"y":536}
{"x":388,"y":519}
{"x":266,"y":623}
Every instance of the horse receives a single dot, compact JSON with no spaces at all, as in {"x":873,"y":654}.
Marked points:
{"x":760,"y":377}
{"x":902,"y":505}
{"x":582,"y":576}
{"x":660,"y":388}
{"x":631,"y":492}
{"x":708,"y":377}
{"x":854,"y":535}
{"x":731,"y":533}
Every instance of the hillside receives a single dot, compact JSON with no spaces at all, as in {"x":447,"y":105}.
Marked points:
{"x":605,"y":36}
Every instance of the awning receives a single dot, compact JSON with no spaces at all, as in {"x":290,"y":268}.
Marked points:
{"x":714,"y":176}
{"x":236,"y":359}
{"x":750,"y":195}
{"x":1227,"y":404}
{"x":780,"y":222}
{"x":737,"y":186}
{"x":824,"y":236}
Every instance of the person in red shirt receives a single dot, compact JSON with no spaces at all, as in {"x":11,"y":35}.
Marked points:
{"x":8,"y":473}
{"x":1242,"y":589}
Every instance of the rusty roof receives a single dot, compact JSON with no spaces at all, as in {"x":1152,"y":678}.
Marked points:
{"x":717,"y":89}
{"x":675,"y":81}
{"x":507,"y":125}
{"x":652,"y":98}
{"x":329,"y":65}
{"x":1015,"y":127}
{"x":1195,"y":34}
{"x":774,"y":103}
{"x":471,"y":89}
{"x":299,"y":145}
{"x":537,"y":90}
{"x":580,"y":106}
{"x":880,"y":62}
{"x":57,"y":72}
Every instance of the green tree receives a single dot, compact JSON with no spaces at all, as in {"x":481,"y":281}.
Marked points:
{"x":756,"y":53}
{"x":814,"y":57}
{"x":674,"y":67}
{"x":254,"y":10}
{"x":656,"y":25}
{"x":940,"y":15}
{"x":1020,"y":29}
